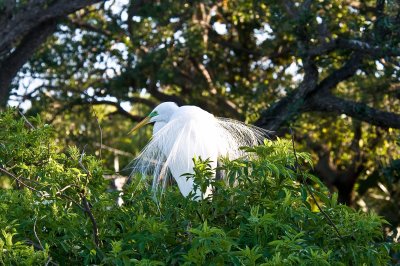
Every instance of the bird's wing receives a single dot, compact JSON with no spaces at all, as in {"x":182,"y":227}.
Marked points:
{"x":174,"y":146}
{"x":234,"y":134}
{"x":193,"y":135}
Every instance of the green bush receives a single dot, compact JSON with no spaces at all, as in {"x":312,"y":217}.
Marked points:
{"x":58,"y":210}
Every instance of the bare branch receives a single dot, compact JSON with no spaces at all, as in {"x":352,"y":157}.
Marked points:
{"x":274,"y":117}
{"x":5,"y":171}
{"x":70,"y":199}
{"x":227,"y":104}
{"x":26,"y":120}
{"x":81,"y":160}
{"x":86,"y":206}
{"x":341,"y":74}
{"x":329,"y":103}
{"x":296,"y":102}
{"x":205,"y":73}
{"x":114,"y":150}
{"x":36,"y":236}
{"x":163,"y":97}
{"x":34,"y":244}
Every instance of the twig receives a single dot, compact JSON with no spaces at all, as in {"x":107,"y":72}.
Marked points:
{"x":101,"y":131}
{"x":70,"y":199}
{"x":34,"y":245}
{"x":86,"y":206}
{"x":60,"y":194}
{"x":198,"y":214}
{"x":48,"y":261}
{"x":36,"y":236}
{"x":26,"y":120}
{"x":81,"y":159}
{"x":29,"y":180}
{"x":40,"y":246}
{"x":64,"y":188}
{"x":43,"y":194}
{"x":19,"y":181}
{"x":114,"y":150}
{"x":310,"y":191}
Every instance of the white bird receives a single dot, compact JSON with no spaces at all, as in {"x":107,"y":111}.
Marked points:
{"x":182,"y":133}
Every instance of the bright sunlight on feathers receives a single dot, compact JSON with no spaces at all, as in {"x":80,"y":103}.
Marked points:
{"x":182,"y":133}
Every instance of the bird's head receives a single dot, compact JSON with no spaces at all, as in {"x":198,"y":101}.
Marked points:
{"x":162,"y":113}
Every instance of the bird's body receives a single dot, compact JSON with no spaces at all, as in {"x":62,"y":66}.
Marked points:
{"x":182,"y":133}
{"x":191,"y":128}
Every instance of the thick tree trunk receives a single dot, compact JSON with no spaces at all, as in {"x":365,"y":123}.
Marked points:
{"x":10,"y":66}
{"x":23,"y":30}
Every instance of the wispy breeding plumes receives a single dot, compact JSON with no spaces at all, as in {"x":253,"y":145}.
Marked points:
{"x":182,"y":133}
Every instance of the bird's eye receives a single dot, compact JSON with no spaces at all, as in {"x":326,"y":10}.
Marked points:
{"x":153,"y":114}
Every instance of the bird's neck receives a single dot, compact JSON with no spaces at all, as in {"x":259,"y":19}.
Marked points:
{"x":157,"y":126}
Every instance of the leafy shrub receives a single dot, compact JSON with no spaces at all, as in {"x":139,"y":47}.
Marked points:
{"x":59,"y":211}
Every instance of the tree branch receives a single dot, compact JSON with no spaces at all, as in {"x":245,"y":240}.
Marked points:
{"x":274,"y":117}
{"x":12,"y":64}
{"x":95,"y":229}
{"x":34,"y":14}
{"x":329,"y":103}
{"x":36,"y":236}
{"x":26,"y":30}
{"x":354,"y":45}
{"x":226,"y":104}
{"x":120,"y":110}
{"x":341,"y":74}
{"x":296,"y":102}
{"x":162,"y":97}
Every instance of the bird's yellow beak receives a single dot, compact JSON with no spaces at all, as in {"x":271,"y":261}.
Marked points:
{"x":140,"y":124}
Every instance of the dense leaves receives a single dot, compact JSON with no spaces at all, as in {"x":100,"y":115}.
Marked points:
{"x":261,"y":213}
{"x":329,"y":69}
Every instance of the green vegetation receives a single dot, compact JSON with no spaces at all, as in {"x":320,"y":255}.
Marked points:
{"x":329,"y":69}
{"x":87,"y":71}
{"x":57,"y":210}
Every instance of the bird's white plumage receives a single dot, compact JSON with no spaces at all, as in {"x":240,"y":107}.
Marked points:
{"x":181,"y":133}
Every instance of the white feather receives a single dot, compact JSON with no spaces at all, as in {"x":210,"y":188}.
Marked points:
{"x":188,"y":132}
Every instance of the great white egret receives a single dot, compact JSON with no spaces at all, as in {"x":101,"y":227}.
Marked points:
{"x":182,"y":133}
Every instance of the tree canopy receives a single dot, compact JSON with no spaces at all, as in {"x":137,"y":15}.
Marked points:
{"x":61,"y":213}
{"x":327,"y":69}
